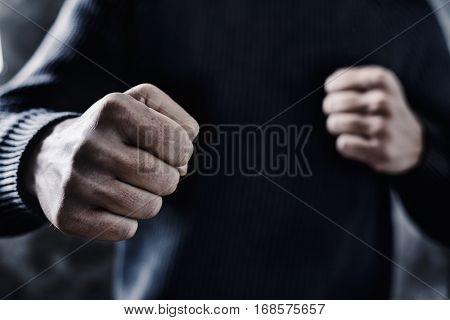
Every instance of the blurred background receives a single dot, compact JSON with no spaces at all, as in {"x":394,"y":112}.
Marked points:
{"x":87,"y":274}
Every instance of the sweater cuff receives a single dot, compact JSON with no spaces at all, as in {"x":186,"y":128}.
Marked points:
{"x":433,"y":170}
{"x":20,"y":211}
{"x":434,"y":165}
{"x":424,"y":190}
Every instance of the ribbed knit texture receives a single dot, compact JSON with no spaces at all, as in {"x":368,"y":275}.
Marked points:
{"x":243,"y":62}
{"x":15,"y":205}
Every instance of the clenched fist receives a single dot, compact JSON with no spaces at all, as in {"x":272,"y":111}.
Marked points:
{"x":368,"y":112}
{"x":96,"y":175}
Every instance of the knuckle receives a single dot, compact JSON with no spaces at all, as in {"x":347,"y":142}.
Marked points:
{"x":89,"y":154}
{"x":377,"y":126}
{"x":387,"y":73}
{"x":113,"y":104}
{"x":346,"y":100}
{"x":332,"y":124}
{"x":147,"y":93}
{"x":378,"y":101}
{"x":342,"y":144}
{"x":88,"y":147}
{"x":384,"y":76}
{"x":117,"y":162}
{"x":148,"y":88}
{"x":102,"y":192}
{"x":145,"y":164}
{"x":153,"y":206}
{"x":333,"y":78}
{"x":184,"y":150}
{"x":380,"y":97}
{"x":194,"y":129}
{"x":379,"y":74}
{"x":360,"y":125}
{"x":142,"y":206}
{"x":126,"y":230}
{"x":379,"y":149}
{"x":376,"y":144}
{"x":112,"y":99}
{"x":74,"y":182}
{"x":170,"y":182}
{"x":327,"y":104}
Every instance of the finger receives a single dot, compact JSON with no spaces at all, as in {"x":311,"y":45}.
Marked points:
{"x":183,"y":170}
{"x":353,"y":123}
{"x":130,"y":202}
{"x":360,"y":78}
{"x":344,"y":101}
{"x":373,"y":101}
{"x":156,"y":99}
{"x":120,"y":198}
{"x":357,"y":148}
{"x":141,"y":169}
{"x":151,"y":131}
{"x":98,"y":224}
{"x":376,"y":102}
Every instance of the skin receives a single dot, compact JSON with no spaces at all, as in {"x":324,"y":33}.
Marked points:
{"x":97,"y":175}
{"x":368,"y":113}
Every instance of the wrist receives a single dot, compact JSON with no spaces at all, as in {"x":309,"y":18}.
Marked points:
{"x":36,"y":159}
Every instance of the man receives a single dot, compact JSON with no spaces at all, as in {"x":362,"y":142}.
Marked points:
{"x":72,"y":150}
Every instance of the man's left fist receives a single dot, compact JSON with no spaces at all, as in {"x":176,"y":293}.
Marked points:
{"x":368,"y":112}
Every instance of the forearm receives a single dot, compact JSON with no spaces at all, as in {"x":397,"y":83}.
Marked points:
{"x":425,"y":190}
{"x":374,"y":123}
{"x":20,"y":132}
{"x":54,"y":81}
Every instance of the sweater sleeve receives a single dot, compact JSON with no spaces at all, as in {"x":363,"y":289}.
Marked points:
{"x":81,"y":59}
{"x":425,"y":190}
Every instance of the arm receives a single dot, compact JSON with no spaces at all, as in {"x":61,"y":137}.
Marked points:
{"x":97,"y":174}
{"x":401,"y":128}
{"x":57,"y":83}
{"x":425,"y":190}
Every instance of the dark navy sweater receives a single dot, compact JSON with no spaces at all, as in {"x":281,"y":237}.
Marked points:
{"x":242,"y":62}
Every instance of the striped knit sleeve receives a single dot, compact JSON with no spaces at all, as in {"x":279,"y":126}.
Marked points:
{"x":18,"y":133}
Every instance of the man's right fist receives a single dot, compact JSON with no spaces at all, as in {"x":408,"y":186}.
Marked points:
{"x":96,"y":175}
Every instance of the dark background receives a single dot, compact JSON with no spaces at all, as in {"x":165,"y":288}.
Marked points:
{"x":86,"y":274}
